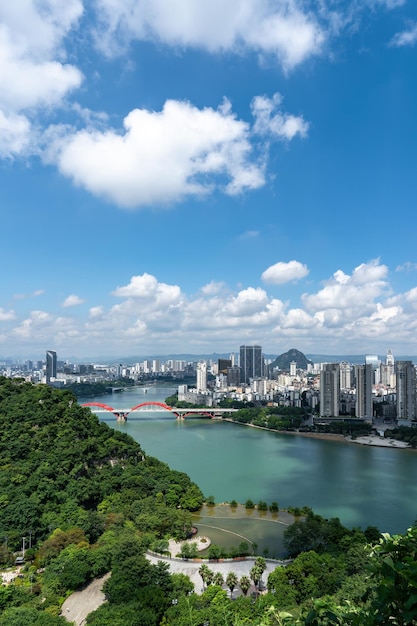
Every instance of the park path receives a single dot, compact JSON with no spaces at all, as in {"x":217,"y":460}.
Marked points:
{"x":80,"y":603}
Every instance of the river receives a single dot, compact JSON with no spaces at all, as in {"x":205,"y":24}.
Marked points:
{"x":359,"y":484}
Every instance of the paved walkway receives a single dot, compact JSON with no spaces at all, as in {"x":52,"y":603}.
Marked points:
{"x":80,"y":603}
{"x":375,"y":440}
{"x":190,"y":568}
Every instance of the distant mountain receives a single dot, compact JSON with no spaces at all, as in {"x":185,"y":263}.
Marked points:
{"x":283,"y":361}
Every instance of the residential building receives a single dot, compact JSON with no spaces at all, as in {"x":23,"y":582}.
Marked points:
{"x":406,"y":392}
{"x":364,"y":398}
{"x":329,"y":390}
{"x":201,"y":376}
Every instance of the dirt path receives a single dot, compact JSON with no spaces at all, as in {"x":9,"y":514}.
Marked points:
{"x":80,"y":603}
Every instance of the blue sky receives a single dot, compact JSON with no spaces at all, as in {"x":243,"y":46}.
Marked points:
{"x":189,"y":176}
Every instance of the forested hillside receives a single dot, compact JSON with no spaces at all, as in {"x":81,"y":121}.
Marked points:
{"x":60,"y":466}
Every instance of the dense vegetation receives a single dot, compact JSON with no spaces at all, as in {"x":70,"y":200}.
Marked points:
{"x":403,"y":433}
{"x":275,"y":418}
{"x":90,"y":501}
{"x":90,"y":389}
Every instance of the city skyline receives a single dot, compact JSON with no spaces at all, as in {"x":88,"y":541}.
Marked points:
{"x":192,"y":177}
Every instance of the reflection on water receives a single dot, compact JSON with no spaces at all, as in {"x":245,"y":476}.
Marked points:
{"x":229,"y":526}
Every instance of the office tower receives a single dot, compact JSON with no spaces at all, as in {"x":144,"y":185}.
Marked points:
{"x":50,"y":365}
{"x":251,"y":363}
{"x":202,"y":376}
{"x":364,"y":404}
{"x":389,"y":358}
{"x":293,"y":368}
{"x":406,"y":392}
{"x":329,"y":390}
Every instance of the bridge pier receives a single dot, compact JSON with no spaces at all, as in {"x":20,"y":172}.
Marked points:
{"x":121,"y":416}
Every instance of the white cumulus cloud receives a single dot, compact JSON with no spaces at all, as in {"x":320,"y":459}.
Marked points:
{"x":350,"y":292}
{"x":33,"y":72}
{"x":280,"y":28}
{"x":270,"y":121}
{"x":5,"y":316}
{"x":163,"y":156}
{"x":281,"y":272}
{"x":72,"y":300}
{"x":351,"y":313}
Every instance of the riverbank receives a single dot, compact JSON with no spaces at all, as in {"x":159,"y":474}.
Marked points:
{"x":367,"y":440}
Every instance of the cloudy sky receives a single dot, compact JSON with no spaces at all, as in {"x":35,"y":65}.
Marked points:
{"x":192,"y":175}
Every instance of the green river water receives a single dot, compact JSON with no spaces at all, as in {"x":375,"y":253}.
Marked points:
{"x":359,"y":484}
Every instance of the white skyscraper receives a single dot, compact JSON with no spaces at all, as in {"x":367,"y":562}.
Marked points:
{"x":202,"y":376}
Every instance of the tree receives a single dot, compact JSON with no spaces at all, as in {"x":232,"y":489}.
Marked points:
{"x":218,"y":579}
{"x":205,"y":573}
{"x":255,"y":574}
{"x":214,"y":552}
{"x":395,"y":573}
{"x":244,"y":584}
{"x":188,"y":550}
{"x":231,"y":582}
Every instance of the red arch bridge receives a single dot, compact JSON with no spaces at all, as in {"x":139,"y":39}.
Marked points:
{"x":121,"y":414}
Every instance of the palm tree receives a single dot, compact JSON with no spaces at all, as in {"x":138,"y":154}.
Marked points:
{"x":256,"y":575}
{"x":260,"y":563}
{"x":231,"y":582}
{"x":244,"y":584}
{"x":205,"y":573}
{"x":218,"y":579}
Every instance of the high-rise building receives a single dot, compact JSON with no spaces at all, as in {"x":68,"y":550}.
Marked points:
{"x":372,"y":359}
{"x":251,"y":363}
{"x":364,"y":404}
{"x":51,"y":361}
{"x":329,"y":390}
{"x":389,"y":358}
{"x":233,"y":376}
{"x":345,"y":375}
{"x":223,"y":364}
{"x":406,"y":392}
{"x":202,"y":376}
{"x":388,"y":370}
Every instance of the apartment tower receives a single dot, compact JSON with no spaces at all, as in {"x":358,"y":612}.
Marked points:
{"x":364,"y":404}
{"x":329,"y":390}
{"x":406,"y":392}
